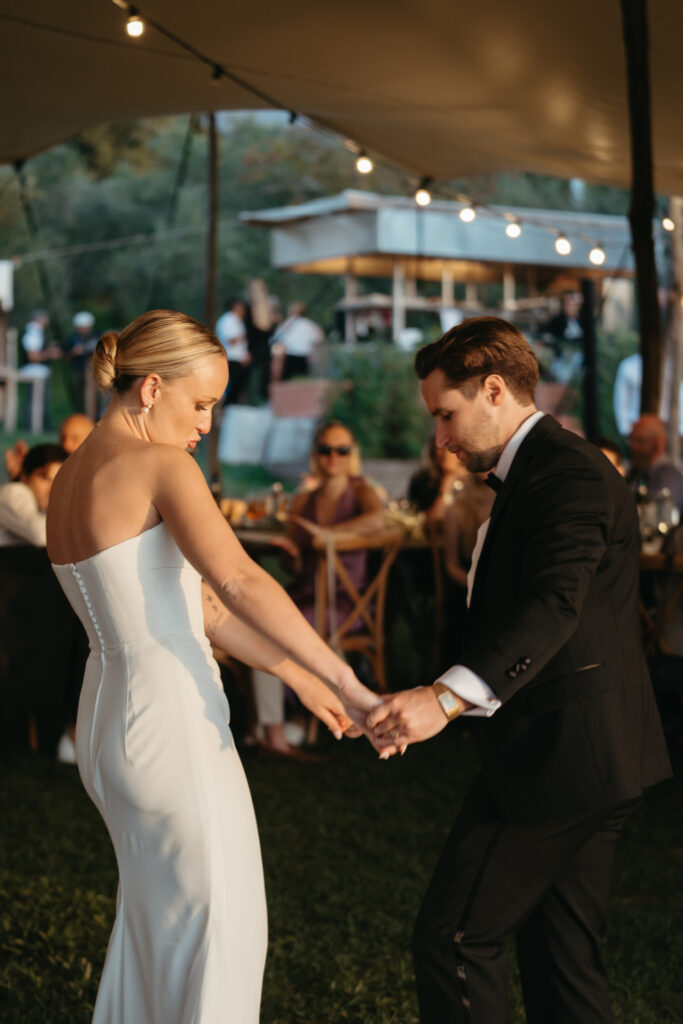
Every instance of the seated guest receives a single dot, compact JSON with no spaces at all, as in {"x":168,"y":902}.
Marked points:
{"x":469,"y":509}
{"x":341,"y":501}
{"x":611,"y":450}
{"x":434,"y":486}
{"x":651,"y":470}
{"x":23,"y":503}
{"x":471,"y":506}
{"x":74,"y":431}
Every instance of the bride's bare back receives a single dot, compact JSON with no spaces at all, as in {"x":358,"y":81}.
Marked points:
{"x":102,"y":496}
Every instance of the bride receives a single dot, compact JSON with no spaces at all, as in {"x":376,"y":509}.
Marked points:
{"x":132,"y":530}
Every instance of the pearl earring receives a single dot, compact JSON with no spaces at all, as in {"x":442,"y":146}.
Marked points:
{"x":146,"y":408}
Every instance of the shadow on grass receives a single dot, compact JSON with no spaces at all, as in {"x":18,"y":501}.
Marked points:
{"x":348,"y":848}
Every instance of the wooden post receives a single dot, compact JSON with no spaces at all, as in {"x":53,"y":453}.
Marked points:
{"x":447,"y":286}
{"x":641,"y":213}
{"x":350,"y":292}
{"x":674,"y":425}
{"x":34,"y":236}
{"x":210,"y":293}
{"x":508,"y":288}
{"x":398,"y":302}
{"x":591,"y":414}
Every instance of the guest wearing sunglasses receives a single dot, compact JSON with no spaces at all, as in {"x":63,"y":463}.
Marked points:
{"x":340,"y":501}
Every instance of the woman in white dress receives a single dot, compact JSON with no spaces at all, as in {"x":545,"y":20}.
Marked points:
{"x":132,"y":529}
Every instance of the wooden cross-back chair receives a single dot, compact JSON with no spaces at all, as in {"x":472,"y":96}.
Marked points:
{"x":368,"y":606}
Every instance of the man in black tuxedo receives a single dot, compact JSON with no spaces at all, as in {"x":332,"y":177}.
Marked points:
{"x":555,"y":684}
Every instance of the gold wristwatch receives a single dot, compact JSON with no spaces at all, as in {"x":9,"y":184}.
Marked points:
{"x":450,"y":704}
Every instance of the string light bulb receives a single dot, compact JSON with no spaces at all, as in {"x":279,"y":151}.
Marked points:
{"x":364,"y":164}
{"x":562,"y":245}
{"x":668,"y":224}
{"x":597,"y":255}
{"x":467,"y":214}
{"x":423,"y":196}
{"x":135,"y":26}
{"x":513,"y":229}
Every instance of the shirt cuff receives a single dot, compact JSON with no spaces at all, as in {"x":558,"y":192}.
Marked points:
{"x":467,"y":685}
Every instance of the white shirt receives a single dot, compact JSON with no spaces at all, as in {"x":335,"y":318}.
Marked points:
{"x":461,"y":680}
{"x":626,"y":396}
{"x":33,"y":340}
{"x":232,"y":334}
{"x":299,"y":335}
{"x":21,"y":521}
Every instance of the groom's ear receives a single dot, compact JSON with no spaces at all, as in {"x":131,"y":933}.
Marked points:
{"x":495,"y":388}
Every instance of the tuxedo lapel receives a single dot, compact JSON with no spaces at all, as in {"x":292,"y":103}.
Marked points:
{"x":515,"y":477}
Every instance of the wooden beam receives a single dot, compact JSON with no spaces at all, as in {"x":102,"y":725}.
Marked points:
{"x":591,"y":412}
{"x":642,"y":208}
{"x":674,"y":424}
{"x":210,"y":293}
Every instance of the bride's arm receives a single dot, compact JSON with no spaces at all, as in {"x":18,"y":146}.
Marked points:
{"x":236,"y":638}
{"x":184,"y":502}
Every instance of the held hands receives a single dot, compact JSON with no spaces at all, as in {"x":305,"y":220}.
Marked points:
{"x":359,"y":702}
{"x":408,"y":717}
{"x":341,"y":719}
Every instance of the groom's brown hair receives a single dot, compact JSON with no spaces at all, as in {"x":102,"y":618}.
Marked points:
{"x":472,"y":350}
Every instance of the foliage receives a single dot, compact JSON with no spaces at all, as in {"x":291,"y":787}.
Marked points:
{"x":380,"y":401}
{"x":121,"y":180}
{"x":348,"y":847}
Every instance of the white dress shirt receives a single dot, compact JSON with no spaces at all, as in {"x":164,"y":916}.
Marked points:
{"x":463,"y":681}
{"x":232,"y":334}
{"x":299,"y":335}
{"x":21,"y":521}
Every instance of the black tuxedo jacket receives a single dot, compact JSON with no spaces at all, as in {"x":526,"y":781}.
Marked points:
{"x":553,"y":628}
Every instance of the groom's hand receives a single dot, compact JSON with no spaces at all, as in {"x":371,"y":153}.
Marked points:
{"x":384,"y":746}
{"x":408,"y":717}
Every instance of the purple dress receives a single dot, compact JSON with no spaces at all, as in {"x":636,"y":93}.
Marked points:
{"x":302,"y":590}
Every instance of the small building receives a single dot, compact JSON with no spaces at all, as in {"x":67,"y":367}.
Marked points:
{"x":363,"y":235}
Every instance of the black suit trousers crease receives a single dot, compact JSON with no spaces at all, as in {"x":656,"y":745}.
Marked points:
{"x":547,"y":885}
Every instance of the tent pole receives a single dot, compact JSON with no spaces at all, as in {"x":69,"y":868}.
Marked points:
{"x":34,"y":235}
{"x":210,"y":293}
{"x":676,"y":214}
{"x":642,"y":208}
{"x":591,"y":412}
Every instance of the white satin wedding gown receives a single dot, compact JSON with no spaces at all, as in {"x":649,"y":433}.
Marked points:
{"x":157,"y":758}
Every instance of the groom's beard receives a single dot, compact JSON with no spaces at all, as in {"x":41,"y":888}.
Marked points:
{"x":483,"y":461}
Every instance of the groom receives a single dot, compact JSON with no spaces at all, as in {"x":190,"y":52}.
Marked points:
{"x":557,"y":692}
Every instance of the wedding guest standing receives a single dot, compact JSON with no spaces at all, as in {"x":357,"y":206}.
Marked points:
{"x":231,"y":331}
{"x":78,"y":349}
{"x":554,"y":682}
{"x":36,"y":355}
{"x":299,"y":336}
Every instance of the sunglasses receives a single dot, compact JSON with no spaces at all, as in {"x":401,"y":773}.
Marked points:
{"x":340,"y":449}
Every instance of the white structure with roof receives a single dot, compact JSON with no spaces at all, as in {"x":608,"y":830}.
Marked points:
{"x":361,"y":234}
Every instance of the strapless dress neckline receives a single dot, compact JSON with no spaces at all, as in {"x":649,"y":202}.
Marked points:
{"x":112,"y":547}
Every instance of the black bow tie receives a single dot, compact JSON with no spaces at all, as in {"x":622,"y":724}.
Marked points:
{"x":494,"y":482}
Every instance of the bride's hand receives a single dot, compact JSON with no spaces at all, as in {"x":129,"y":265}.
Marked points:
{"x":359,"y":701}
{"x":324,"y":704}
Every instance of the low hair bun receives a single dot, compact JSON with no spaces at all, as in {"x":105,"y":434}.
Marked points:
{"x":104,"y":361}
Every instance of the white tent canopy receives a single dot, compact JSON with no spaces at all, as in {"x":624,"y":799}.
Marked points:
{"x":438,"y":87}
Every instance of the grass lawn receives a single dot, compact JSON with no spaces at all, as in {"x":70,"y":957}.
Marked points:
{"x":348,"y":847}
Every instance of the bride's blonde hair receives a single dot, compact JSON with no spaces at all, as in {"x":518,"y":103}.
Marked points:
{"x":162,"y":341}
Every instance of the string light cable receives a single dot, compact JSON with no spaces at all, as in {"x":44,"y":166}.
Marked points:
{"x":364,"y":164}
